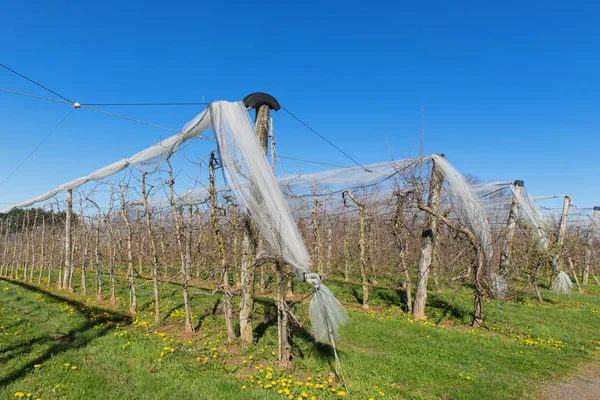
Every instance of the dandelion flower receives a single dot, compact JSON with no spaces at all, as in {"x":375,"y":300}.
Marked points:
{"x":19,"y":394}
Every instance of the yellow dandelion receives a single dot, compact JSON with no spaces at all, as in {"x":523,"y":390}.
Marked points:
{"x":244,"y":387}
{"x":37,"y":366}
{"x":73,"y":368}
{"x":67,"y":364}
{"x":19,"y":394}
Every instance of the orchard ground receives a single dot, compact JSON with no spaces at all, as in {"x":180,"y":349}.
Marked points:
{"x":60,"y":345}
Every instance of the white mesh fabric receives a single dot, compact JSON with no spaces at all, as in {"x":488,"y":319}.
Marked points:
{"x":527,"y":206}
{"x":562,"y":284}
{"x":467,"y":205}
{"x":255,"y":187}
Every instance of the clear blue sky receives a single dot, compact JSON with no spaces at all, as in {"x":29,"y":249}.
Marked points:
{"x":511,"y":90}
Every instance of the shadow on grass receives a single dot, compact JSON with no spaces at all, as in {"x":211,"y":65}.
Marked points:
{"x":323,"y":351}
{"x":447,"y":309}
{"x":76,"y":338}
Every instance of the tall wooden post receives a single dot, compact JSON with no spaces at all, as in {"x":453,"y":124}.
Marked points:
{"x":68,"y":240}
{"x":510,"y":229}
{"x":427,"y":242}
{"x":589,"y":244}
{"x":263,"y":104}
{"x":562,"y":232}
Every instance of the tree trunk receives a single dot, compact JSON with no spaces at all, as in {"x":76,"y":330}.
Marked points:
{"x":562,"y":232}
{"x":284,"y":346}
{"x":129,"y":236}
{"x":427,"y":242}
{"x":68,"y":241}
{"x":510,"y":230}
{"x":152,"y":249}
{"x":180,"y":245}
{"x":589,"y":244}
{"x":218,"y":236}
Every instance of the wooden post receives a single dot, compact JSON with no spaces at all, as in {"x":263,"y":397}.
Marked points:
{"x":510,"y":229}
{"x":427,"y":242}
{"x":589,"y":244}
{"x":263,"y":104}
{"x":68,"y":239}
{"x":562,"y":232}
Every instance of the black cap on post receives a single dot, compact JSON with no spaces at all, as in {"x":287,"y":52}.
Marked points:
{"x":255,"y":100}
{"x":596,"y":208}
{"x":519,"y":183}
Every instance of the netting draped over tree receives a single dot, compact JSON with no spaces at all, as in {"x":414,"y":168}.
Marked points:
{"x":467,"y":205}
{"x":255,"y":186}
{"x":253,"y":183}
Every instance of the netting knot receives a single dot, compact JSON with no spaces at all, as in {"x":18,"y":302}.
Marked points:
{"x":313,"y":279}
{"x":76,"y":105}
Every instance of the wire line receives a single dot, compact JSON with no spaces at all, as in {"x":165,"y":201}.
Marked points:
{"x":36,"y":83}
{"x":146,"y":104}
{"x":313,"y":162}
{"x":34,"y":96}
{"x":324,"y":138}
{"x":37,"y":147}
{"x":129,"y":118}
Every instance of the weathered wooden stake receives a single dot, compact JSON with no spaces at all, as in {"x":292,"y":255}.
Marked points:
{"x":263,"y":104}
{"x":589,"y":244}
{"x":510,"y":229}
{"x":562,"y":232}
{"x":427,"y":242}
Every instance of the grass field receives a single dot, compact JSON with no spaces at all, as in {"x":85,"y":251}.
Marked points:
{"x":56,"y":345}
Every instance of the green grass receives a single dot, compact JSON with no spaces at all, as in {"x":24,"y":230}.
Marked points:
{"x":521,"y":346}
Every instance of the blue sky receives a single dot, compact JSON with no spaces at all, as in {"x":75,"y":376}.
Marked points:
{"x":510,"y":89}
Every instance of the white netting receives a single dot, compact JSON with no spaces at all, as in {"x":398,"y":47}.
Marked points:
{"x":562,"y":284}
{"x":527,"y":206}
{"x":467,"y":205}
{"x":251,"y":179}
